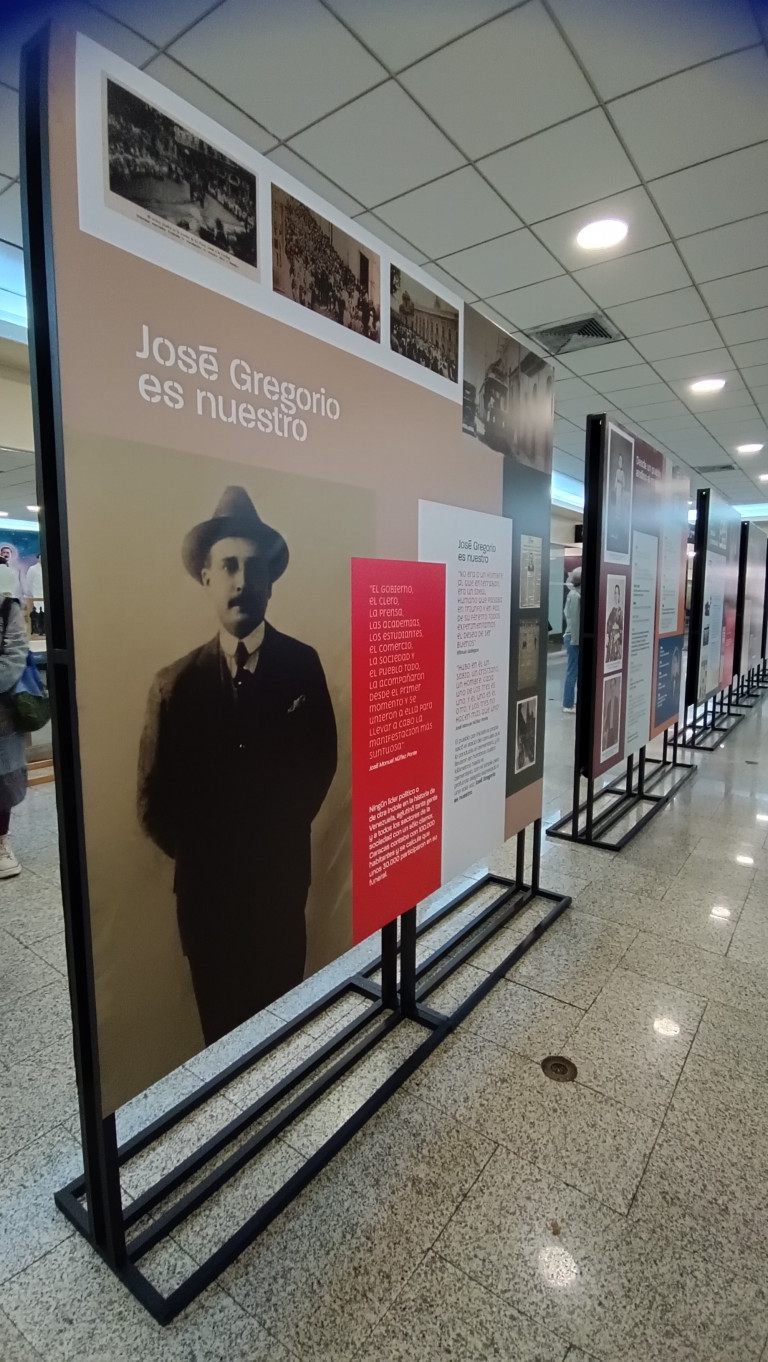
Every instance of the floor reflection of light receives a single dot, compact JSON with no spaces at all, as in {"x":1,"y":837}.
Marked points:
{"x":557,"y":1267}
{"x":666,"y":1026}
{"x":720,"y":912}
{"x":745,"y":860}
{"x":761,"y":817}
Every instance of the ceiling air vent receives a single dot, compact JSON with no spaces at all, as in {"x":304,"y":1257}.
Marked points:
{"x":716,"y":468}
{"x":580,"y":333}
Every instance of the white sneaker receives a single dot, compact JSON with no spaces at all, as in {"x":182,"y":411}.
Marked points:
{"x":9,"y":866}
{"x":569,"y":709}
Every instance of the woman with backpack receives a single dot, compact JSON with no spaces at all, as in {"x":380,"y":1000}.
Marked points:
{"x":14,"y":646}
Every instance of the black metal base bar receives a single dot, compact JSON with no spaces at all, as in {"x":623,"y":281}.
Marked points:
{"x":625,"y":795}
{"x":165,"y":1205}
{"x":705,"y":733}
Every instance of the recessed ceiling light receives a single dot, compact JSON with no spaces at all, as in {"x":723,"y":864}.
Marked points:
{"x":33,"y":508}
{"x":3,"y":512}
{"x":597,"y":235}
{"x":748,"y":449}
{"x":707,"y":385}
{"x":763,"y":477}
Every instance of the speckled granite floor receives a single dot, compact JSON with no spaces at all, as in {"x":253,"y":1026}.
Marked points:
{"x":485,"y":1212}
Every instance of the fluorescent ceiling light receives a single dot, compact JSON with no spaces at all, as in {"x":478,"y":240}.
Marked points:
{"x":748,"y":449}
{"x":763,"y":477}
{"x":33,"y":508}
{"x":567,"y":492}
{"x":3,"y":512}
{"x":596,"y":236}
{"x":707,"y":385}
{"x":753,"y":510}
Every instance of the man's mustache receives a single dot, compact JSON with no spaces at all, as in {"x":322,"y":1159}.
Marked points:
{"x":246,"y":600}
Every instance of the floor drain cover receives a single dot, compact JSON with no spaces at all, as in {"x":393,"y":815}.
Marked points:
{"x":559,"y":1069}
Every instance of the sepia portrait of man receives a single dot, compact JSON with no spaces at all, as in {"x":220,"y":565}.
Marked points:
{"x":236,"y":758}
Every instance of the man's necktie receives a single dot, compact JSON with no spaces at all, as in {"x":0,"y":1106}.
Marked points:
{"x":241,"y":657}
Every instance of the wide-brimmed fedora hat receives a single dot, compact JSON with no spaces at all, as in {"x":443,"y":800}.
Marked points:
{"x":235,"y":517}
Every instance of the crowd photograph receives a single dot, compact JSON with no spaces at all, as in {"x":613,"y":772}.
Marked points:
{"x":319,"y":266}
{"x":423,"y":327}
{"x":165,"y":169}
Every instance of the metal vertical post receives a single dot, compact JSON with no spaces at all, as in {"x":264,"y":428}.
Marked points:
{"x":408,"y":961}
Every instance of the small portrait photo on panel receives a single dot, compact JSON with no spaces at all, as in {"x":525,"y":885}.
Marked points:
{"x":616,"y":587}
{"x":422,"y":326}
{"x":323,"y":268}
{"x":526,"y":734}
{"x":610,"y":727}
{"x":617,"y":500}
{"x":167,"y":177}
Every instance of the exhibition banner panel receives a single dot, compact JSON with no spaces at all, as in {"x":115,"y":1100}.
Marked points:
{"x":398,"y":661}
{"x":748,"y":650}
{"x":714,"y":598}
{"x":256,"y":394}
{"x":477,"y":551}
{"x":638,"y":588}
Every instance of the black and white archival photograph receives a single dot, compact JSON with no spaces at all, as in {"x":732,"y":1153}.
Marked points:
{"x":508,"y":394}
{"x":528,"y":654}
{"x":319,"y":266}
{"x":617,"y":505}
{"x":611,"y":721}
{"x":525,"y":737}
{"x":178,"y":183}
{"x":422,"y":326}
{"x":615,"y":592}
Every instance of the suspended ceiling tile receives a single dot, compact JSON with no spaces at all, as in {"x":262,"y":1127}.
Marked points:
{"x":643,"y":395}
{"x":719,"y":191}
{"x":578,"y":408}
{"x":10,"y":215}
{"x":681,"y":307}
{"x":9,"y":132}
{"x":379,"y":146}
{"x":737,"y":247}
{"x":671,"y":409}
{"x":724,"y":420}
{"x":571,"y":465}
{"x":183,"y":83}
{"x":12,"y":268}
{"x":715,"y":363}
{"x":746,"y":355}
{"x":614,"y":380}
{"x":624,"y":44}
{"x":755,"y":375}
{"x":737,"y":292}
{"x":666,"y":425}
{"x":695,"y":115}
{"x":449,"y":214}
{"x":374,"y":224}
{"x":285,"y":65}
{"x":678,"y":340}
{"x":400,"y":32}
{"x":598,"y":358}
{"x":633,"y":206}
{"x":746,"y":326}
{"x":308,"y":175}
{"x":160,"y":23}
{"x":487,"y":310}
{"x":571,"y":164}
{"x":566,"y":388}
{"x":553,"y":300}
{"x":29,"y":18}
{"x":507,"y":262}
{"x":506,"y":80}
{"x":634,"y":276}
{"x":443,"y":277}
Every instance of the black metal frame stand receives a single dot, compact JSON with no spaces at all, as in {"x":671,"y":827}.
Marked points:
{"x":143,"y":1223}
{"x":720,"y":716}
{"x":634,"y":787}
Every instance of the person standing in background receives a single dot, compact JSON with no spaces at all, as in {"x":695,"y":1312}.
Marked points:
{"x":572,"y":613}
{"x":33,"y":597}
{"x":14,"y":645}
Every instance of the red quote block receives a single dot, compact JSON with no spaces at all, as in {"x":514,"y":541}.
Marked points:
{"x":398,"y":665}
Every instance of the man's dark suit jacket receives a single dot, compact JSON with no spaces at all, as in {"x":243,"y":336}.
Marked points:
{"x":228,"y":787}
